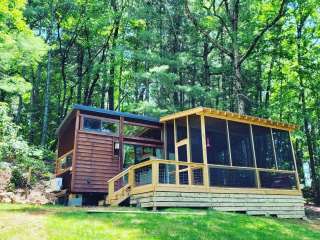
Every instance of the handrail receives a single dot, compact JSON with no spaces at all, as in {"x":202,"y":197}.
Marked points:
{"x":58,"y":164}
{"x":151,"y":180}
{"x":64,"y":155}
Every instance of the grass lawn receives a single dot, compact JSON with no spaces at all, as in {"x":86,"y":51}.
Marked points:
{"x":50,"y":222}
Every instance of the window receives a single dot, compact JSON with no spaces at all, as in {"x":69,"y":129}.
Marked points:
{"x":263,"y":147}
{"x":195,"y":138}
{"x":97,"y":125}
{"x":232,"y":178}
{"x":278,"y":180}
{"x":133,"y":154}
{"x":240,"y":144}
{"x":170,"y":141}
{"x":181,"y":125}
{"x":216,"y":141}
{"x":282,"y":145}
{"x":137,"y":131}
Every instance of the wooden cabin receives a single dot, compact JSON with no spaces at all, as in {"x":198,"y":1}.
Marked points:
{"x":196,"y":158}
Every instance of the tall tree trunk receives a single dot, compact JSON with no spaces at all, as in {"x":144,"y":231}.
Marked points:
{"x":80,"y":58}
{"x":46,"y":102}
{"x":113,"y":56}
{"x":306,"y":123}
{"x":44,"y":132}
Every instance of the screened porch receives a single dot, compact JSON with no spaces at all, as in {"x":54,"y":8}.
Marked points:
{"x":216,"y":151}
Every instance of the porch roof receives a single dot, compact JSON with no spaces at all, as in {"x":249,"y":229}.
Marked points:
{"x":211,"y":112}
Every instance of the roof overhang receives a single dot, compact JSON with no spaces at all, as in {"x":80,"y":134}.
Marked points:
{"x":210,"y":112}
{"x":105,"y":113}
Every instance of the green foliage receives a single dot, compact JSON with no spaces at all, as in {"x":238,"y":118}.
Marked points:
{"x":16,"y":151}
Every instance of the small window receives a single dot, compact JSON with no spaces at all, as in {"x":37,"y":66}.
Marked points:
{"x":109,"y":127}
{"x":92,"y":124}
{"x":97,"y":125}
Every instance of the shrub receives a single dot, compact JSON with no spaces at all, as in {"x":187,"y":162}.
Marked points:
{"x":15,"y":150}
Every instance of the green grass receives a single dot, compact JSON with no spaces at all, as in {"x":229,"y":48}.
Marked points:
{"x":50,"y":222}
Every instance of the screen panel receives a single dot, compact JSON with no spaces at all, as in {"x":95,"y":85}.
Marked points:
{"x":282,"y":145}
{"x":240,"y":144}
{"x":216,"y":141}
{"x":220,"y":177}
{"x":181,"y":125}
{"x":263,"y":147}
{"x":278,"y":180}
{"x":195,"y":139}
{"x":170,"y":154}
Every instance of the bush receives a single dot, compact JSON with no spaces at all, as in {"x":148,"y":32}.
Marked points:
{"x":15,"y":150}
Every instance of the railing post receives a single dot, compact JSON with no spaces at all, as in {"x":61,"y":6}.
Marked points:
{"x":204,"y":153}
{"x":155,"y":173}
{"x":131,"y":177}
{"x":110,"y":189}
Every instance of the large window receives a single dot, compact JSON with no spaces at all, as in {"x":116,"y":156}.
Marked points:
{"x":143,"y":132}
{"x":103,"y":126}
{"x":195,"y":138}
{"x":240,"y":143}
{"x":133,"y":154}
{"x":283,"y":149}
{"x":263,"y":147}
{"x":216,"y":141}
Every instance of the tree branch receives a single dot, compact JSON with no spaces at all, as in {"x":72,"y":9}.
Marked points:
{"x":198,"y":27}
{"x":255,"y":41}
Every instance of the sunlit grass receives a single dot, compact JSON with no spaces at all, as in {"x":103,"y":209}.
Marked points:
{"x":52,"y":222}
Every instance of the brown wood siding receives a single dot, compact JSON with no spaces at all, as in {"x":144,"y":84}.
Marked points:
{"x":94,"y":163}
{"x":66,"y":139}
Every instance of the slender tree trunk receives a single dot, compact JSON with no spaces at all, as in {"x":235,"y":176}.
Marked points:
{"x":80,"y":58}
{"x":46,"y":102}
{"x":306,"y":123}
{"x":44,"y":132}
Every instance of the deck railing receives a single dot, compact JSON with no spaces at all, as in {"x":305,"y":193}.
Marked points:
{"x":170,"y":174}
{"x":64,"y":162}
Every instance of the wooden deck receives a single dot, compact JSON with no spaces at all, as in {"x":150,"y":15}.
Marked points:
{"x":149,"y":187}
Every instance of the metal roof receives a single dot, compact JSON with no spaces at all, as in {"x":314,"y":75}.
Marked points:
{"x":106,"y":113}
{"x":116,"y":113}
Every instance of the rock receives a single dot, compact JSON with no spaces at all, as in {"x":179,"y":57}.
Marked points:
{"x":5,"y":175}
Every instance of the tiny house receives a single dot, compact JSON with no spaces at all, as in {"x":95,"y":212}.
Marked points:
{"x":196,"y":158}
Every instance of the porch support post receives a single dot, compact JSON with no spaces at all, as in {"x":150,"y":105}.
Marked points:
{"x":204,"y":152}
{"x":295,"y":163}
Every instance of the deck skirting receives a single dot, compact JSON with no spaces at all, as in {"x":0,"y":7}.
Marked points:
{"x":282,"y":206}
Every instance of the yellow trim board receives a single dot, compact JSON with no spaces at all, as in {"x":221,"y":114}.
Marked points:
{"x":211,"y":112}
